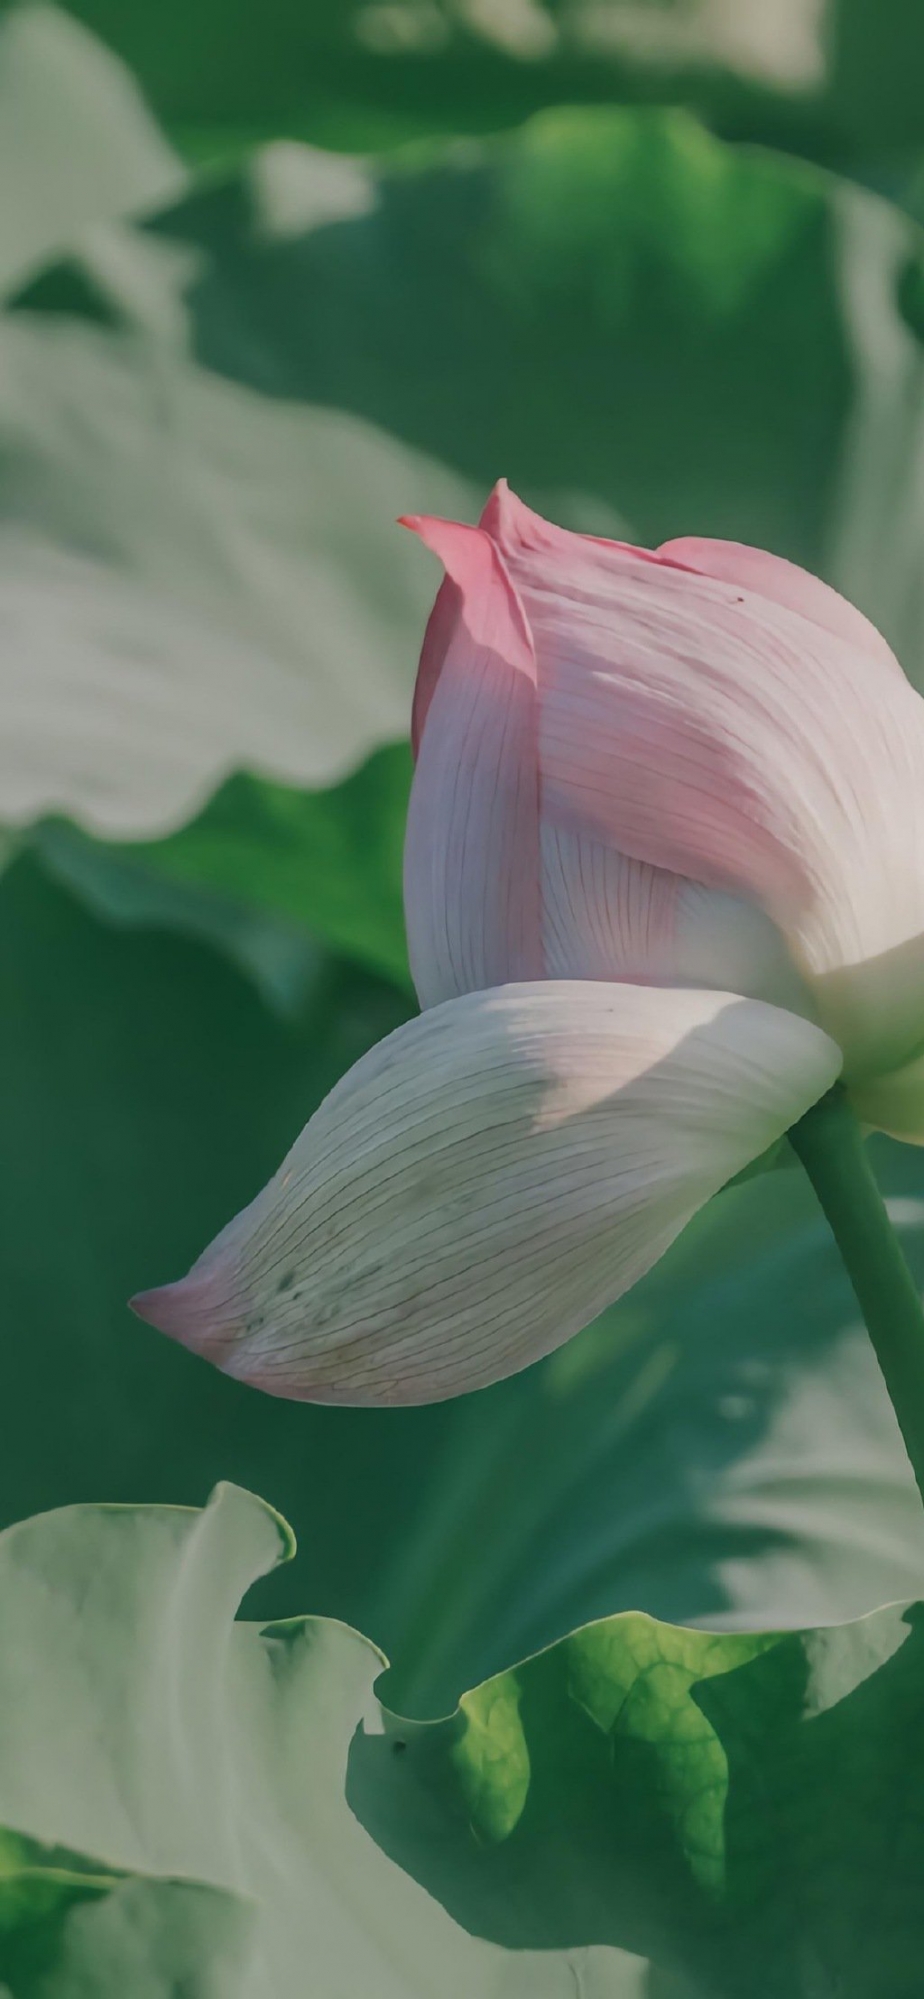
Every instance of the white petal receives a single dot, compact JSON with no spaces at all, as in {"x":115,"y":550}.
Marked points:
{"x":607,"y":916}
{"x":604,"y":916}
{"x":487,"y":1180}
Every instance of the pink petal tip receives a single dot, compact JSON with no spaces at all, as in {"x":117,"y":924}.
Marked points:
{"x":161,"y":1307}
{"x":194,"y":1311}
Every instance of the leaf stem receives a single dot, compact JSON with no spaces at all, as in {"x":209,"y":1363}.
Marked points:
{"x":829,"y":1142}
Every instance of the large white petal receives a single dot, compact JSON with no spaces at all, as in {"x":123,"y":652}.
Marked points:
{"x":485,"y":1181}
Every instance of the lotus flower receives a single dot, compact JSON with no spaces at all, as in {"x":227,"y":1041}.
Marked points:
{"x":664,"y":884}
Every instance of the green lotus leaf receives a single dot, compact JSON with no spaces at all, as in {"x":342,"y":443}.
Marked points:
{"x":738,"y":1812}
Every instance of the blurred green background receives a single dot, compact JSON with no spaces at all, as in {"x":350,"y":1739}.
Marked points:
{"x":272,"y":276}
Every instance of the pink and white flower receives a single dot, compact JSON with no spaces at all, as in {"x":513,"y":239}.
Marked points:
{"x":664,"y":884}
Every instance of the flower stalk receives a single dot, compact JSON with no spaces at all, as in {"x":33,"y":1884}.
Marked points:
{"x":829,"y":1142}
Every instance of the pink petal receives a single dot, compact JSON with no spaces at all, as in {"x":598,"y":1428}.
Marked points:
{"x":603,"y":915}
{"x":696,"y":726}
{"x":514,"y":525}
{"x":467,"y":573}
{"x":472,"y":845}
{"x":441,"y":625}
{"x":488,"y":1179}
{"x":782,"y":582}
{"x":516,"y":529}
{"x":606,"y":915}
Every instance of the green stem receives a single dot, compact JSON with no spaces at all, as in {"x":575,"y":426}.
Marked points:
{"x":829,"y":1143}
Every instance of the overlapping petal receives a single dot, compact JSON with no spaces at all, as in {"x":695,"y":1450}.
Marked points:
{"x":782,"y":582}
{"x":485,"y":1181}
{"x":606,"y":916}
{"x":475,"y":857}
{"x":738,"y":725}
